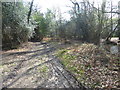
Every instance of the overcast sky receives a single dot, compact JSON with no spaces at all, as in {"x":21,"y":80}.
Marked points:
{"x":62,"y":4}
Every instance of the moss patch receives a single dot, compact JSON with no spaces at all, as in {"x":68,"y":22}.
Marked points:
{"x":43,"y":69}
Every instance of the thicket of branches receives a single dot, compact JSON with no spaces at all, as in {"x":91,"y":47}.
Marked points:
{"x":87,"y":23}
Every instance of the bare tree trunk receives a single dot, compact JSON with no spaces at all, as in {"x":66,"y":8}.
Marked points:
{"x":30,"y":10}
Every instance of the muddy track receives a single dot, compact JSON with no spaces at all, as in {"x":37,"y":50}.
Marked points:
{"x":36,"y":68}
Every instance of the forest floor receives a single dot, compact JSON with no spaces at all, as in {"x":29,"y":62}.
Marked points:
{"x":59,"y":65}
{"x":34,"y":65}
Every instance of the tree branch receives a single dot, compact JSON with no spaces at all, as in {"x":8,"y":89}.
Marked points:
{"x":112,"y":12}
{"x":111,"y":33}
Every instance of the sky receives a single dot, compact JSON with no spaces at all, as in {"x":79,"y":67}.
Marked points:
{"x":62,"y":4}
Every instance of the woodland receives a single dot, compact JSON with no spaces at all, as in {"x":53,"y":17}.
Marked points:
{"x":44,"y":50}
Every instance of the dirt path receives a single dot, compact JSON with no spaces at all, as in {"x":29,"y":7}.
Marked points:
{"x":36,"y":67}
